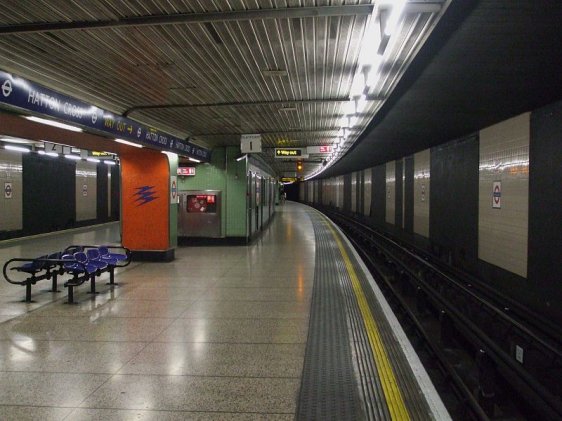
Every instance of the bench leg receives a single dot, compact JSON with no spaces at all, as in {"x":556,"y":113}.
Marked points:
{"x":93,"y":284}
{"x":112,"y":277}
{"x":28,"y":292}
{"x":54,"y":286}
{"x":70,"y":294}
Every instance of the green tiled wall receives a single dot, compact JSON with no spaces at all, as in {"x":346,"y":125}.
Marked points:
{"x":228,"y":176}
{"x":236,"y":186}
{"x":173,"y":162}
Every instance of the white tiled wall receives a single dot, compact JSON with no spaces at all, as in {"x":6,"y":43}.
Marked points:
{"x":86,"y":191}
{"x":504,"y":158}
{"x":390,"y":191}
{"x":11,"y":208}
{"x":421,"y":192}
{"x":367,"y":182}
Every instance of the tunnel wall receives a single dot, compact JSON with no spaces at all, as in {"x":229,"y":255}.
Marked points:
{"x":488,"y":203}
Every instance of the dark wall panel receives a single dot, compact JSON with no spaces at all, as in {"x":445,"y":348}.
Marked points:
{"x":545,"y":206}
{"x":293,"y":191}
{"x":378,"y":195}
{"x":453,"y":218}
{"x":102,"y":193}
{"x":409,"y":195}
{"x":398,"y":211}
{"x":49,"y":194}
{"x":115,"y":193}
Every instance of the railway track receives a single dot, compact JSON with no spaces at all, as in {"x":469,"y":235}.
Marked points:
{"x":490,"y":357}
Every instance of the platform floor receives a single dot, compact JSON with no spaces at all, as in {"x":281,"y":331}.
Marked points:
{"x":219,"y":333}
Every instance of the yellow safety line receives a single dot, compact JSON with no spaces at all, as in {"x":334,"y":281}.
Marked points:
{"x":394,"y":400}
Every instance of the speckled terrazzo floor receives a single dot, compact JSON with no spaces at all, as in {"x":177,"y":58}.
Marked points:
{"x":219,"y":333}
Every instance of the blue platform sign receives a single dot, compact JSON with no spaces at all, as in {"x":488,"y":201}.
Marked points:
{"x":20,"y":93}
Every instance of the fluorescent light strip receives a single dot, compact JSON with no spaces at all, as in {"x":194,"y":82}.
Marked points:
{"x":395,"y":14}
{"x":93,"y":160}
{"x":74,"y":157}
{"x":240,"y":158}
{"x":16,"y":148}
{"x":16,"y":140}
{"x":126,"y":142}
{"x":53,"y":154}
{"x":108,"y":162}
{"x":54,"y":123}
{"x":193,"y":160}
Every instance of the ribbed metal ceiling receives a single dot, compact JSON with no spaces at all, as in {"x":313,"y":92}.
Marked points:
{"x":217,"y":69}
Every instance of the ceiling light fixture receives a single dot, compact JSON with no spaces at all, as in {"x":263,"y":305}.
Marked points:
{"x":108,"y":162}
{"x":53,"y":123}
{"x":16,"y":148}
{"x":395,"y":14}
{"x":16,"y":140}
{"x":93,"y":160}
{"x":194,"y":160}
{"x":73,"y":157}
{"x":126,"y":142}
{"x":53,"y":154}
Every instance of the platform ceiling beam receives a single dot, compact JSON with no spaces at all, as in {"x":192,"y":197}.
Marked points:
{"x":186,"y":18}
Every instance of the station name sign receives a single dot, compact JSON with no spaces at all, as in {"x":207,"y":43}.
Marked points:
{"x":22,"y":94}
{"x":288,"y":152}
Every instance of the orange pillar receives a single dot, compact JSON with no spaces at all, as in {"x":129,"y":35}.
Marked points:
{"x":145,"y":204}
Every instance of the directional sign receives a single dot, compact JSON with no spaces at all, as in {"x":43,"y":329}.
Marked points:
{"x":8,"y":190}
{"x":25,"y":95}
{"x":186,"y":171}
{"x":319,"y":149}
{"x":288,"y":153}
{"x":497,"y":195}
{"x":99,"y":154}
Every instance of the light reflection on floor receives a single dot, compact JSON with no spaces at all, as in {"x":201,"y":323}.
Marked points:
{"x":219,"y":333}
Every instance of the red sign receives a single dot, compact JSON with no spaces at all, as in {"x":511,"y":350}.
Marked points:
{"x":325,"y":149}
{"x":186,"y":171}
